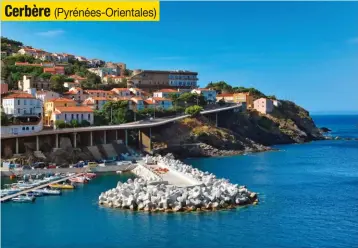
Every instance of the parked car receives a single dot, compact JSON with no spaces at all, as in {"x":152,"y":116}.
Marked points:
{"x":51,"y":166}
{"x":26,"y":167}
{"x":39,"y":165}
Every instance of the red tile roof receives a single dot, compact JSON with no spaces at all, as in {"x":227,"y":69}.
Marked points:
{"x":225,"y":95}
{"x":60,"y":99}
{"x":19,"y":95}
{"x":167,"y":91}
{"x":76,"y":109}
{"x":120,"y":89}
{"x":160,"y":99}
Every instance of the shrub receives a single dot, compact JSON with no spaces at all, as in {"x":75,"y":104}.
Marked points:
{"x":193,"y":110}
{"x":60,"y":124}
{"x":221,"y":102}
{"x":74,"y":123}
{"x":85,"y":123}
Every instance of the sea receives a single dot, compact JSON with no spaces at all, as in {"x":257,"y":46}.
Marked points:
{"x":308,"y":198}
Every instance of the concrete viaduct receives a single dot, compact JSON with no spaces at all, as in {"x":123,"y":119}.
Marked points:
{"x":99,"y":135}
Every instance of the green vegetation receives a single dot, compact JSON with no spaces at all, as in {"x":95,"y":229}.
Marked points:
{"x":221,"y":102}
{"x":74,"y":123}
{"x":57,"y":83}
{"x":223,"y":87}
{"x":4,"y":119}
{"x":191,"y":99}
{"x":193,"y":110}
{"x":10,"y":46}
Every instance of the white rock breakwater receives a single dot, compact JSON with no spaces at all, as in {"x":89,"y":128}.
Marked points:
{"x":143,"y":195}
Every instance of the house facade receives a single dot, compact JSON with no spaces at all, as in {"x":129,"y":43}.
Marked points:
{"x":244,"y":98}
{"x":165,"y":93}
{"x":122,"y":92}
{"x":209,"y":94}
{"x":22,"y":104}
{"x":263,"y":105}
{"x":28,"y":83}
{"x":161,"y":103}
{"x":227,"y":97}
{"x":45,"y":95}
{"x":96,"y":103}
{"x":152,"y":79}
{"x":55,"y":70}
{"x":76,"y":94}
{"x":137,"y":103}
{"x":68,"y":114}
{"x":52,"y":104}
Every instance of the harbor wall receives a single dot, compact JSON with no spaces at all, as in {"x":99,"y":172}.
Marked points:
{"x":145,"y":173}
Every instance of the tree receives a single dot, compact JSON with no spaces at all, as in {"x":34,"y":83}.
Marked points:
{"x":57,"y":83}
{"x":4,"y":119}
{"x":220,"y":86}
{"x":193,"y":110}
{"x":221,"y":102}
{"x":45,"y":75}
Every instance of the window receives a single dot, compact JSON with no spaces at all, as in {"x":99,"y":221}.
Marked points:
{"x":23,"y":128}
{"x":27,"y":128}
{"x":65,"y":104}
{"x":18,"y":102}
{"x":82,"y":116}
{"x":71,"y":116}
{"x":18,"y":111}
{"x":65,"y":116}
{"x":89,"y":117}
{"x":77,"y":116}
{"x":25,"y":102}
{"x":33,"y":128}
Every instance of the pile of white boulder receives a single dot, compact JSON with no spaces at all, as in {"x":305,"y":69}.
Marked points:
{"x":212,"y":194}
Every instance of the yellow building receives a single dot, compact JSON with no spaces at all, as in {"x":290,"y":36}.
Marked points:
{"x":50,"y":106}
{"x":246,"y":98}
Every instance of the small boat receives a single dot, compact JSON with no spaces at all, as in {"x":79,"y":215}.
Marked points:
{"x":5,"y":192}
{"x":90,"y":175}
{"x":61,"y":186}
{"x":23,"y":198}
{"x":48,"y":191}
{"x":78,"y":180}
{"x":35,"y":194}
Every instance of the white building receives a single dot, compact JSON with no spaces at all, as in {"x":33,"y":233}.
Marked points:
{"x":159,"y":103}
{"x":27,"y":127}
{"x":45,"y":95}
{"x":263,"y":105}
{"x":209,"y":94}
{"x":121,"y":92}
{"x":166,"y":93}
{"x":22,"y":104}
{"x":137,"y":103}
{"x":67,"y":114}
{"x":96,"y":103}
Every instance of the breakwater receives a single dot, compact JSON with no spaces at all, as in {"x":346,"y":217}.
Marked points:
{"x":211,"y":194}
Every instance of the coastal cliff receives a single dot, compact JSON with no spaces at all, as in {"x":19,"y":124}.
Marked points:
{"x":248,"y":131}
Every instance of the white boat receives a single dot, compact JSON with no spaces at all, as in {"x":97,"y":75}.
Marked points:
{"x":23,"y":198}
{"x":5,"y":192}
{"x":48,"y":191}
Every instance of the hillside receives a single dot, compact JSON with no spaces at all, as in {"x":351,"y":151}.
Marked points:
{"x":239,"y":132}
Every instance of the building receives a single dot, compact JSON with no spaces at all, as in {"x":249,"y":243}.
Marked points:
{"x":80,"y":58}
{"x":137,"y":103}
{"x":4,"y":88}
{"x":77,"y":79}
{"x":27,"y":64}
{"x":28,"y":82}
{"x":160,"y":102}
{"x":37,"y":53}
{"x":59,"y":57}
{"x":122,"y":92}
{"x":152,"y":79}
{"x":30,"y":125}
{"x":70,"y":85}
{"x":100,"y":93}
{"x":69,"y":114}
{"x":96,"y":103}
{"x":139,"y":92}
{"x":227,"y":97}
{"x":22,"y":104}
{"x":263,"y":105}
{"x":95,"y":62}
{"x":166,"y":93}
{"x":76,"y":94}
{"x":121,"y":67}
{"x":244,"y":98}
{"x":52,"y":104}
{"x":113,"y":79}
{"x":209,"y":94}
{"x":55,"y":70}
{"x":45,"y":95}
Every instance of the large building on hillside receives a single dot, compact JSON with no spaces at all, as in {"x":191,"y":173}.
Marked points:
{"x":155,"y":80}
{"x":28,"y":82}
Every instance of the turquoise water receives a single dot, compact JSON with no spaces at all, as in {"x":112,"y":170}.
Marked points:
{"x":308,"y":193}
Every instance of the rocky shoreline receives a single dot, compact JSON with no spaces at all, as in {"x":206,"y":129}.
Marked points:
{"x":149,"y":196}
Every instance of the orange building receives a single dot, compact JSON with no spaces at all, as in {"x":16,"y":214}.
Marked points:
{"x":244,"y":98}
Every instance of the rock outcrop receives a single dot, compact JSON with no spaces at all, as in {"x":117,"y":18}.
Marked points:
{"x":242,"y":132}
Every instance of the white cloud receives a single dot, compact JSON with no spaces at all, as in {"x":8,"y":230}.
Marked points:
{"x":51,"y":33}
{"x":353,"y":40}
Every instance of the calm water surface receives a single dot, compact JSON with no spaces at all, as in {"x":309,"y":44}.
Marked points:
{"x":308,"y":193}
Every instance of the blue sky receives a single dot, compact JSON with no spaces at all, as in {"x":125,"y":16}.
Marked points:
{"x":306,"y":52}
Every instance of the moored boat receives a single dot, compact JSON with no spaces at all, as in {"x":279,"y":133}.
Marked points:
{"x":23,"y":198}
{"x":90,"y":175}
{"x":80,"y":179}
{"x":35,"y":194}
{"x":61,"y":186}
{"x":48,"y":191}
